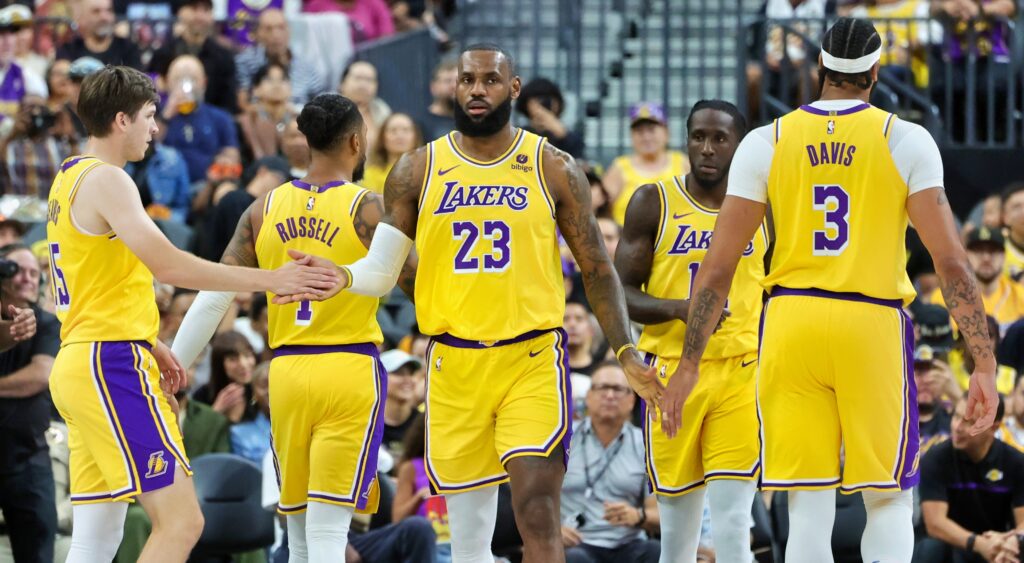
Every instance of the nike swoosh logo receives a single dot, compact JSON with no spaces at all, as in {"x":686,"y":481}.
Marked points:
{"x":745,"y":364}
{"x":534,"y":354}
{"x":443,"y":172}
{"x":675,"y":216}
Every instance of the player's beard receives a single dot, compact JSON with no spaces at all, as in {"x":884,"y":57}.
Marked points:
{"x":487,"y":125}
{"x":357,"y":173}
{"x":709,"y":184}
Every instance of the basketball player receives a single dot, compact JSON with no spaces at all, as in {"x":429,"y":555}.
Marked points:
{"x":836,"y":347}
{"x":666,"y":234}
{"x":106,"y":380}
{"x":327,"y":385}
{"x":483,"y":204}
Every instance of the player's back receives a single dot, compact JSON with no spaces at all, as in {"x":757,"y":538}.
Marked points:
{"x":489,"y":267}
{"x":683,"y":240}
{"x":316,"y":220}
{"x":839,"y":204}
{"x":103,"y":292}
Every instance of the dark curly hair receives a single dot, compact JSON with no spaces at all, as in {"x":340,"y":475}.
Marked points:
{"x":328,"y":120}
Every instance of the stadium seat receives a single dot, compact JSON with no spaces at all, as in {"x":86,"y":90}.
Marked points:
{"x":229,"y":492}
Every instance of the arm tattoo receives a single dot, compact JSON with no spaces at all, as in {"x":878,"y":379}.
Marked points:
{"x":402,"y":192}
{"x":705,"y":310}
{"x":964,"y":303}
{"x":241,"y":250}
{"x":367,"y":217}
{"x":579,"y":227}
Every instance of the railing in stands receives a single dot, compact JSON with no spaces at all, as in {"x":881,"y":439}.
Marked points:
{"x":953,"y":79}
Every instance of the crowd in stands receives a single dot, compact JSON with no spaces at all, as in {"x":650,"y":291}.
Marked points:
{"x":228,"y":135}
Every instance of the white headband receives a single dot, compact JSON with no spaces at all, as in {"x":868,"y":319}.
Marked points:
{"x":851,"y":66}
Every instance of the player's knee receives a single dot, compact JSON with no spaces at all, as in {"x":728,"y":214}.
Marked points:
{"x":874,"y":500}
{"x":537,"y":514}
{"x":185,"y":528}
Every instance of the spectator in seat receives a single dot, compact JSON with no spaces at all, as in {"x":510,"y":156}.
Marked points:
{"x":934,"y":382}
{"x":405,"y":381}
{"x":29,"y":345}
{"x":412,"y":494}
{"x":398,"y":135}
{"x":272,"y":40}
{"x":1012,"y":212}
{"x":197,"y":129}
{"x":650,"y":162}
{"x":254,"y":325}
{"x":1003,"y":297}
{"x":295,"y":149}
{"x":35,"y":148}
{"x":440,"y":117}
{"x":972,"y":494}
{"x":15,"y":83}
{"x":579,"y":330}
{"x":370,"y":19}
{"x":606,"y":506}
{"x":251,"y":438}
{"x":229,"y":391}
{"x":94,"y":20}
{"x":162,"y":179}
{"x":11,"y":231}
{"x":24,"y":54}
{"x":904,"y":50}
{"x":199,"y":40}
{"x":58,"y":84}
{"x":600,"y":203}
{"x":264,"y":119}
{"x":1011,"y":349}
{"x":359,"y":84}
{"x":542,"y":103}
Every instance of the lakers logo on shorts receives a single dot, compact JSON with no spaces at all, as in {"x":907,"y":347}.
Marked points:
{"x":157,"y":466}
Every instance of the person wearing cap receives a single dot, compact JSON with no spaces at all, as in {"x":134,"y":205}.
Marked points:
{"x":650,"y":162}
{"x":15,"y":82}
{"x":94,"y":37}
{"x":935,"y":386}
{"x":844,"y":180}
{"x":542,"y":103}
{"x":1003,"y":297}
{"x":199,"y":40}
{"x":405,"y":395}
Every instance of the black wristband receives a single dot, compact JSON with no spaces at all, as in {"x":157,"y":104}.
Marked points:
{"x":970,"y":542}
{"x":643,"y":517}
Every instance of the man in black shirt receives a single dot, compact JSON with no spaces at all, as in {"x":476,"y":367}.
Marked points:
{"x":197,"y":39}
{"x":95,"y":38}
{"x":972,"y":494}
{"x":934,"y":380}
{"x":26,"y":477}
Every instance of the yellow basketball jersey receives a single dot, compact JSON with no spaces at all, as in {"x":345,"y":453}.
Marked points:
{"x":316,"y":220}
{"x":682,"y":242}
{"x":839,"y":204}
{"x":103,"y":292}
{"x":489,"y":267}
{"x":678,"y":165}
{"x":1014,"y":264}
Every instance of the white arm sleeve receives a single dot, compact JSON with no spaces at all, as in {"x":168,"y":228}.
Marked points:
{"x":748,"y":175}
{"x":199,"y":324}
{"x":377,"y":273}
{"x":916,"y":156}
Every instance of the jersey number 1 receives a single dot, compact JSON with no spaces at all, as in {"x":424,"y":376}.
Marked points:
{"x":835,"y":203}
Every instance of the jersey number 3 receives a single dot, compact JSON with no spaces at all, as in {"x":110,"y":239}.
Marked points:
{"x":469,"y":233}
{"x":835,"y":203}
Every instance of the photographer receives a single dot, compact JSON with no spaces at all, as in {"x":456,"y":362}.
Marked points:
{"x":26,"y":476}
{"x":37,"y":144}
{"x":542,"y":103}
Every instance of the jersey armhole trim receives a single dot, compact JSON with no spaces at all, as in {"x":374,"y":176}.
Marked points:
{"x":110,"y":235}
{"x":662,"y":216}
{"x":355,"y":202}
{"x":887,"y":128}
{"x":548,"y":198}
{"x":425,"y":185}
{"x":266,"y":204}
{"x":776,"y":130}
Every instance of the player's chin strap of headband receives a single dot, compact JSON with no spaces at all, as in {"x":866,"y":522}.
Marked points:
{"x":851,"y":66}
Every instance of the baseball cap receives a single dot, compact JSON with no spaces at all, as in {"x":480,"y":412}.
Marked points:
{"x":82,"y":67}
{"x":15,"y":16}
{"x":933,"y":324}
{"x":395,"y":360}
{"x":924,"y":354}
{"x":647,"y":111}
{"x":985,"y":235}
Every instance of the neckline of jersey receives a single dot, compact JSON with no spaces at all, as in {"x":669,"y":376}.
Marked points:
{"x":318,"y":189}
{"x":508,"y":152}
{"x":818,"y":111}
{"x":73,"y":160}
{"x":682,"y":185}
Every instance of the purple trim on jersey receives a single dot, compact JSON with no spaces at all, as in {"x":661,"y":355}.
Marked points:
{"x":818,"y":111}
{"x":845,"y":296}
{"x":364,"y":348}
{"x":133,"y":404}
{"x":71,"y":162}
{"x":318,"y":189}
{"x":456,"y":342}
{"x":907,"y":467}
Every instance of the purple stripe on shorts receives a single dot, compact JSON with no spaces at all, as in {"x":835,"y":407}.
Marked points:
{"x":813,"y":292}
{"x":367,"y":470}
{"x":910,"y":450}
{"x":818,"y":111}
{"x":364,"y":348}
{"x":153,"y":461}
{"x":456,"y":342}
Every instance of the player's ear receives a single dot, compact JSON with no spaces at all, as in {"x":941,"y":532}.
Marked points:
{"x":517,"y":86}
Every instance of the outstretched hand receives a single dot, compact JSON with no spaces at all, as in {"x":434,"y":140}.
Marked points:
{"x":307,"y":278}
{"x":643,"y":379}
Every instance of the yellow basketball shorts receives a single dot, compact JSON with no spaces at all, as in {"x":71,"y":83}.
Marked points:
{"x":327,"y":423}
{"x":123,"y":436}
{"x":718,"y":438}
{"x":836,"y":383}
{"x":488,"y":404}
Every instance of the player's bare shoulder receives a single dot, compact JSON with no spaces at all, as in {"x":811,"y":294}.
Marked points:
{"x":563,"y":176}
{"x":405,"y":180}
